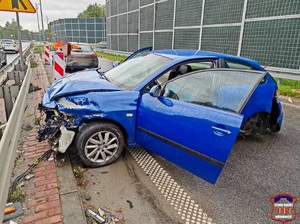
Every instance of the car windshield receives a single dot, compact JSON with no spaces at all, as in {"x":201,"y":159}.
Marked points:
{"x":82,"y":48}
{"x":6,"y":42}
{"x":134,"y":71}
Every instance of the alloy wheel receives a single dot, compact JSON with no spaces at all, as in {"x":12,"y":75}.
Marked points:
{"x":101,"y":147}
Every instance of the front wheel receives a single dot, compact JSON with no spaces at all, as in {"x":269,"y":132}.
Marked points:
{"x":99,"y":144}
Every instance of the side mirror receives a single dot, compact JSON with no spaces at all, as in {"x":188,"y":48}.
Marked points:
{"x":116,"y":63}
{"x":155,"y":91}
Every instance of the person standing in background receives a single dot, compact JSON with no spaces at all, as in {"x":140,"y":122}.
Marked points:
{"x":64,"y":46}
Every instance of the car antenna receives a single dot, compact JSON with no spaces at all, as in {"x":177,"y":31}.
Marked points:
{"x":225,"y":50}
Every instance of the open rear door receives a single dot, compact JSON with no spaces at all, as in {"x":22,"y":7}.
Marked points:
{"x":138,"y":53}
{"x":196,"y":118}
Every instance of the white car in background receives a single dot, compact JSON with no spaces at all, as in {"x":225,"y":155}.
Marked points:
{"x":9,"y":45}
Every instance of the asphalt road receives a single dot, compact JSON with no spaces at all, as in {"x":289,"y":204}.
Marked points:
{"x":258,"y":168}
{"x":12,"y":56}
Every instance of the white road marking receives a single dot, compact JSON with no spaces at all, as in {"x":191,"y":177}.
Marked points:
{"x":291,"y":105}
{"x":185,"y":206}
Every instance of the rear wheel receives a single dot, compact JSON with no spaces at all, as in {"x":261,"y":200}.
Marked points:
{"x":99,"y":144}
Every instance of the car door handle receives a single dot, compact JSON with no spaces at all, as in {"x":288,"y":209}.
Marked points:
{"x":220,"y":131}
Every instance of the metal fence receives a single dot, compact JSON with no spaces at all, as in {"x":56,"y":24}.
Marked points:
{"x":268,"y":30}
{"x":9,"y":140}
{"x":91,"y":30}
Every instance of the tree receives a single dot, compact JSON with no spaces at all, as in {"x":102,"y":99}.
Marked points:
{"x":93,"y":11}
{"x":10,"y":30}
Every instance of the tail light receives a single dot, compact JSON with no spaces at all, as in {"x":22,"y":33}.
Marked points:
{"x":276,"y":93}
{"x":94,"y":54}
{"x":15,"y":45}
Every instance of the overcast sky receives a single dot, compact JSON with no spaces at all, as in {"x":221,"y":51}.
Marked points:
{"x":54,"y":9}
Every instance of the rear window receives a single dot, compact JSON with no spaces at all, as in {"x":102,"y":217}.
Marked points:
{"x":82,"y":48}
{"x":238,"y":65}
{"x":7,"y":42}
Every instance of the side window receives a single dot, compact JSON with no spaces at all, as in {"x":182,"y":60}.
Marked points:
{"x":202,"y":65}
{"x":237,"y":65}
{"x":159,"y":81}
{"x":179,"y":70}
{"x":226,"y":90}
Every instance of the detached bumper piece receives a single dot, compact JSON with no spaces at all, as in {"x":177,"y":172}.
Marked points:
{"x":55,"y":130}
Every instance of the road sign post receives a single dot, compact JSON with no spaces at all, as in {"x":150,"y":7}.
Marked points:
{"x":20,"y":42}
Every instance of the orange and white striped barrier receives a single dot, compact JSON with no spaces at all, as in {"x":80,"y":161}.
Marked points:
{"x":59,"y":65}
{"x":47,"y":54}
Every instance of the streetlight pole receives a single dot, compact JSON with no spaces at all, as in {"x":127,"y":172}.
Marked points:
{"x":38,"y":21}
{"x":42,"y":20}
{"x":48,"y":34}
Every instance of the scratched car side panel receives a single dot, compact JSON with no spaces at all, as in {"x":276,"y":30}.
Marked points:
{"x":116,"y":106}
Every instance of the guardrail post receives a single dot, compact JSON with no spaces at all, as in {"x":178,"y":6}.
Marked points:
{"x":279,"y":81}
{"x":7,"y":100}
{"x":18,"y":76}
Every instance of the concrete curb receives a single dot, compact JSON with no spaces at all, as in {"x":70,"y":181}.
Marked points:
{"x":44,"y":74}
{"x":72,"y":208}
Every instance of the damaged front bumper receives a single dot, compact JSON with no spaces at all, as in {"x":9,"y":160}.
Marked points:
{"x":59,"y":129}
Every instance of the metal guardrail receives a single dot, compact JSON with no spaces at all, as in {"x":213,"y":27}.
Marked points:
{"x":9,"y":141}
{"x":284,"y":73}
{"x":281,"y":73}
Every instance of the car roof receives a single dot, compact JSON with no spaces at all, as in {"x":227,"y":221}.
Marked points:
{"x":79,"y":43}
{"x":181,"y":54}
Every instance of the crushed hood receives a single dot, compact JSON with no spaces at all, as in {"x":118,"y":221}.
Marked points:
{"x":76,"y":83}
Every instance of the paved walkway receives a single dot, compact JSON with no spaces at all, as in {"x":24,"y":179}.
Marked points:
{"x":42,"y":195}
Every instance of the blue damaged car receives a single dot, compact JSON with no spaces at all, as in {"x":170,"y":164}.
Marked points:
{"x":187,"y":106}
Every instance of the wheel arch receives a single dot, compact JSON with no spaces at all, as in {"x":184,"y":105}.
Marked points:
{"x":255,"y":119}
{"x":123,"y":130}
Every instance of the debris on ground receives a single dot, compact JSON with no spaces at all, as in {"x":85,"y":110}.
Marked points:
{"x":29,"y":176}
{"x":110,"y":218}
{"x":290,"y":100}
{"x":13,"y":210}
{"x":88,"y":197}
{"x":33,"y":88}
{"x":102,"y":217}
{"x":130,"y":204}
{"x":20,"y":185}
{"x":96,"y":216}
{"x":27,"y":127}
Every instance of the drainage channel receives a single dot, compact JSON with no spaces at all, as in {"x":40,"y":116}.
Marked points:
{"x":189,"y":211}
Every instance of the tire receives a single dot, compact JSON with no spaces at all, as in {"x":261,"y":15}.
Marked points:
{"x":88,"y":142}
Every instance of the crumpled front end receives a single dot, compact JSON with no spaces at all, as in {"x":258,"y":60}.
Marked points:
{"x":65,"y":104}
{"x":59,"y":129}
